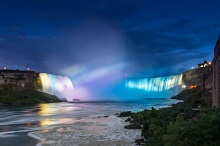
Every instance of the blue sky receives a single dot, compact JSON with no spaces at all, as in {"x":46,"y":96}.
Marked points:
{"x":126,"y":37}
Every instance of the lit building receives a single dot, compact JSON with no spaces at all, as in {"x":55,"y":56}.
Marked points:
{"x":204,"y":64}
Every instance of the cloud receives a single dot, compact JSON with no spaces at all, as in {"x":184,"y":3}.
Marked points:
{"x":57,"y":36}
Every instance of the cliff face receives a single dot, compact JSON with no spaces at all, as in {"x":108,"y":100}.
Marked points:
{"x":207,"y":78}
{"x":22,"y":79}
{"x":195,"y":77}
{"x":216,"y":76}
{"x":19,"y":87}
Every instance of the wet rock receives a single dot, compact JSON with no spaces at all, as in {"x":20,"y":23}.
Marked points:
{"x":128,"y":119}
{"x":105,"y":116}
{"x":140,"y":141}
{"x":76,"y":100}
{"x":133,"y":121}
{"x":124,"y":114}
{"x":63,"y":99}
{"x":133,"y":126}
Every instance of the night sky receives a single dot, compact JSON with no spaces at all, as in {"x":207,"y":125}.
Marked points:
{"x":101,"y":38}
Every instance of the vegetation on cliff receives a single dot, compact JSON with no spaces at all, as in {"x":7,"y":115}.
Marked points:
{"x":192,"y":96}
{"x":181,"y":124}
{"x":10,"y":95}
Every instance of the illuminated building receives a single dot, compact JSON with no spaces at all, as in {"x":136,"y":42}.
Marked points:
{"x":204,"y":64}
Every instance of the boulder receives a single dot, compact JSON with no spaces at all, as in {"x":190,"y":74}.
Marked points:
{"x":133,"y":126}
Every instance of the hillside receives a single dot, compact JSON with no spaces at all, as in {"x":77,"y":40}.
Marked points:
{"x":10,"y":95}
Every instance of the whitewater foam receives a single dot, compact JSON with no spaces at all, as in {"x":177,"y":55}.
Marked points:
{"x":90,"y":131}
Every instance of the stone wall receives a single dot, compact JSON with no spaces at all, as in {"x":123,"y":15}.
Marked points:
{"x":216,"y":75}
{"x":20,"y":78}
{"x":208,"y":87}
{"x":211,"y":80}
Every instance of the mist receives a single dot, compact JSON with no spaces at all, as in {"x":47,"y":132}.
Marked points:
{"x":96,"y":59}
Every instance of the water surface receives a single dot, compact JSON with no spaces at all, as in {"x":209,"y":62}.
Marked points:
{"x":16,"y":122}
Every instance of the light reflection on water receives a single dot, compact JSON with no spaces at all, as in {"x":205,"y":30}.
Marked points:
{"x":49,"y":122}
{"x":46,"y":110}
{"x":15,"y":122}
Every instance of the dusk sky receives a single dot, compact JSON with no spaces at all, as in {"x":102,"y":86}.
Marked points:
{"x":103,"y":37}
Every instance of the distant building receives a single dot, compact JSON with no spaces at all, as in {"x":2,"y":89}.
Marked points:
{"x":204,"y":64}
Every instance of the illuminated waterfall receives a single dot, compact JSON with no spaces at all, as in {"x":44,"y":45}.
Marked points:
{"x":55,"y":84}
{"x":155,"y":84}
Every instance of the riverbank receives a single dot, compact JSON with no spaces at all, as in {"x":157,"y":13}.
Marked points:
{"x":9,"y":95}
{"x":185,"y":123}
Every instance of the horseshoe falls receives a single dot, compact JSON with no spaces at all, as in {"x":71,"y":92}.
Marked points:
{"x":56,"y":85}
{"x":155,"y":84}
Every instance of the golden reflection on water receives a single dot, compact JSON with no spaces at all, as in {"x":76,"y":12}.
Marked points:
{"x":53,"y":109}
{"x":46,"y":110}
{"x":49,"y":122}
{"x":50,"y":110}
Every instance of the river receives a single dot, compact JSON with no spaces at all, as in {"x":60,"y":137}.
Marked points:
{"x":17,"y":123}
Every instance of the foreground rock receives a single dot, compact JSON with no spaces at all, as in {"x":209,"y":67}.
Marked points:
{"x":124,"y":114}
{"x":140,"y":141}
{"x":128,"y":119}
{"x":134,"y":126}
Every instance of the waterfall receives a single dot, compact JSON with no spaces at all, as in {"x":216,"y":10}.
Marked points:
{"x":156,"y":83}
{"x":55,"y":84}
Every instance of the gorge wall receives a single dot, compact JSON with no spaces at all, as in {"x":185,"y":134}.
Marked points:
{"x":212,"y":79}
{"x":194,"y":77}
{"x":22,"y":79}
{"x":208,"y":78}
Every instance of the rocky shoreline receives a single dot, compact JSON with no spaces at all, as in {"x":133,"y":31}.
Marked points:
{"x":186,"y":123}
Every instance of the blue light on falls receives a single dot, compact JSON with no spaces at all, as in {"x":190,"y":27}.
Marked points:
{"x":156,"y":84}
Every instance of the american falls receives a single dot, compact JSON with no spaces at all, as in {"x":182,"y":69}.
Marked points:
{"x":155,"y":84}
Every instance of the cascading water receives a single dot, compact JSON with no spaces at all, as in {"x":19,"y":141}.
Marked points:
{"x":155,"y":84}
{"x":56,"y":85}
